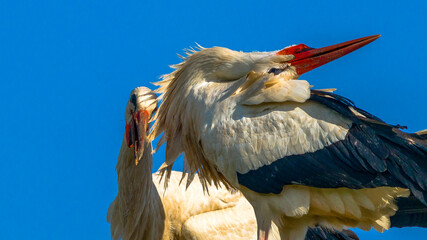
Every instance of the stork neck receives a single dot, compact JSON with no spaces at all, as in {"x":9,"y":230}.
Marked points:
{"x":138,"y":196}
{"x":135,"y":177}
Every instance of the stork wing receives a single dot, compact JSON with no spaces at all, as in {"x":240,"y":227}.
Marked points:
{"x":372,"y":154}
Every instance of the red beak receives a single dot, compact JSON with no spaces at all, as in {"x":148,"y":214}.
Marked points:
{"x":307,"y":59}
{"x":136,"y":131}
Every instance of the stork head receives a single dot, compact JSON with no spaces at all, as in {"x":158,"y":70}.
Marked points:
{"x":212,"y":84}
{"x":217,"y":69}
{"x":142,"y":103}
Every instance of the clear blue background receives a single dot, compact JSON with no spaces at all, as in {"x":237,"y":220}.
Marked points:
{"x":67,"y":67}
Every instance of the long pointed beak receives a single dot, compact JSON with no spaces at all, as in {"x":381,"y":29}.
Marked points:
{"x":307,"y":59}
{"x":136,"y":132}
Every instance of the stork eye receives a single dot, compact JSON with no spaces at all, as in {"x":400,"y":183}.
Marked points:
{"x":133,"y":99}
{"x":277,"y":71}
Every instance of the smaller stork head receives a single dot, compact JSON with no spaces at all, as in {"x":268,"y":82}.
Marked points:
{"x":142,"y":103}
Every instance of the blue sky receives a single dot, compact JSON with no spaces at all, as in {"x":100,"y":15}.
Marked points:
{"x":67,"y":67}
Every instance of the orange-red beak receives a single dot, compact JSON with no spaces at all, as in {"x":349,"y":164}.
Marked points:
{"x":136,"y":132}
{"x":307,"y":59}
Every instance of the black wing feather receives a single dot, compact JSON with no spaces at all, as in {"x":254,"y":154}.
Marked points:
{"x":322,"y":233}
{"x":411,"y":213}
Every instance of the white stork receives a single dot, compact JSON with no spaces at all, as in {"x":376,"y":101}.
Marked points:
{"x":301,"y":157}
{"x":144,"y":210}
